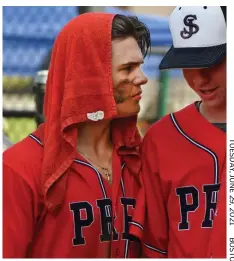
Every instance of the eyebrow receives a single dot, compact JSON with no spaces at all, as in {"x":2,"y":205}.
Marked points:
{"x":132,"y":63}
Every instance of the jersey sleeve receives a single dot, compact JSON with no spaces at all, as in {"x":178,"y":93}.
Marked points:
{"x":17,"y":215}
{"x":155,"y":235}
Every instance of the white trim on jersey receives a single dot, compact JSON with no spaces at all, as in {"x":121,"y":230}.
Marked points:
{"x":97,"y":172}
{"x":155,"y":249}
{"x":36,"y":139}
{"x":216,"y":166}
{"x":136,"y":224}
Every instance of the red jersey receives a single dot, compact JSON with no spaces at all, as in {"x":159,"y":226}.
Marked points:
{"x":184,"y":176}
{"x":82,"y":227}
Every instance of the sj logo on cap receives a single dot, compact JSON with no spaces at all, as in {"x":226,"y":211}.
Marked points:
{"x":192,"y":28}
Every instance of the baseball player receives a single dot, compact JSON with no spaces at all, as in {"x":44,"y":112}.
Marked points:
{"x":184,"y":153}
{"x":69,"y":188}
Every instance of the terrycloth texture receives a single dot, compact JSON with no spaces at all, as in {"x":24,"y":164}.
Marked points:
{"x":79,"y":82}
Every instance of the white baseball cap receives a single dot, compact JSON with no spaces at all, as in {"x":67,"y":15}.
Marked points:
{"x":198,"y":36}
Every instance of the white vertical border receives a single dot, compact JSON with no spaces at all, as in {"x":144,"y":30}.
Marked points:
{"x":230,"y":130}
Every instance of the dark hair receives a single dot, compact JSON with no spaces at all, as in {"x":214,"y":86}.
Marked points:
{"x":126,"y":26}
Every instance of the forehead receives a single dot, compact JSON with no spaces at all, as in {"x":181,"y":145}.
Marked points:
{"x":126,"y":50}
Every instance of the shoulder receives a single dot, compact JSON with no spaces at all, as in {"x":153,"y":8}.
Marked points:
{"x":164,"y":130}
{"x":25,"y":159}
{"x":165,"y":124}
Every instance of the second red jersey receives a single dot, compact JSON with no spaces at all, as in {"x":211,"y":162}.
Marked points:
{"x":184,"y":177}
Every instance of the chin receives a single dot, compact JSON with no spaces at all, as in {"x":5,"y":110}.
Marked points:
{"x":134,"y":111}
{"x":127,"y":111}
{"x":214,"y":104}
{"x":127,"y":114}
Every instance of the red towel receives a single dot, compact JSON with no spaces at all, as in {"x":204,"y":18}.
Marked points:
{"x":79,"y":82}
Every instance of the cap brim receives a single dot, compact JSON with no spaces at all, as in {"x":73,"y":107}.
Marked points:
{"x":196,"y":57}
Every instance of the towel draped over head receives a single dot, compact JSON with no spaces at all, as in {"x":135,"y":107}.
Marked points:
{"x":79,"y":83}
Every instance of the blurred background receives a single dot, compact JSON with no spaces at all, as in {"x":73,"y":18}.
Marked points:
{"x":28,"y":36}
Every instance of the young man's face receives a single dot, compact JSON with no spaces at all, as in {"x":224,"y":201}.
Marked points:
{"x":127,"y":76}
{"x":209,"y":84}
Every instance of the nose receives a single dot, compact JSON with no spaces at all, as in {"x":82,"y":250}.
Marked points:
{"x":201,"y":77}
{"x":140,"y":78}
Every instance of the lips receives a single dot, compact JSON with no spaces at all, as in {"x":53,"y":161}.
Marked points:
{"x":208,"y":94}
{"x":208,"y":91}
{"x":137,"y":94}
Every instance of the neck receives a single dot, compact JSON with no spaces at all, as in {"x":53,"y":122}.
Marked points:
{"x":94,"y":137}
{"x":213,"y":114}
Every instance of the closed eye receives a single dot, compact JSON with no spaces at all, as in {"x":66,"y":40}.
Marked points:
{"x":128,"y":68}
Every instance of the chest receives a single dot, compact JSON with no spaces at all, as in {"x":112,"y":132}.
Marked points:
{"x":90,"y":218}
{"x":191,"y":177}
